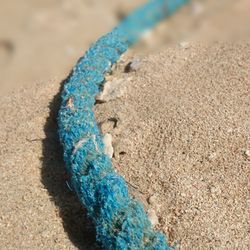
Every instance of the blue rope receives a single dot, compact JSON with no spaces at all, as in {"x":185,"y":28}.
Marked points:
{"x":120,"y":221}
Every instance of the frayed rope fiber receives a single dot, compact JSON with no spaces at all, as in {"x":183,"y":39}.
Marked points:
{"x":120,"y":221}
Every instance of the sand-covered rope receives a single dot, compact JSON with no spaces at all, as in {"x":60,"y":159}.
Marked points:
{"x":120,"y":221}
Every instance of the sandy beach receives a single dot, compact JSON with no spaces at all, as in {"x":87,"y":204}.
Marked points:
{"x":179,"y":118}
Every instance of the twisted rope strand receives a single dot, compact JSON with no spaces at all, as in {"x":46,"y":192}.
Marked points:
{"x":120,"y":221}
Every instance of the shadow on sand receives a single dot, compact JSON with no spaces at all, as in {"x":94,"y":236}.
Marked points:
{"x":75,"y":222}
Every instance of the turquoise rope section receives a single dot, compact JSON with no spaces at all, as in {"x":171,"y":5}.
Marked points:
{"x":120,"y":221}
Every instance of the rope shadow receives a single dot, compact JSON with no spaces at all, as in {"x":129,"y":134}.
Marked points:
{"x":79,"y":229}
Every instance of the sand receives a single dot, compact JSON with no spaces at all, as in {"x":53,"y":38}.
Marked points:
{"x":180,"y":128}
{"x":182,"y":138}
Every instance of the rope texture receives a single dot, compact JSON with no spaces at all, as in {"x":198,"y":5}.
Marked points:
{"x":120,"y":221}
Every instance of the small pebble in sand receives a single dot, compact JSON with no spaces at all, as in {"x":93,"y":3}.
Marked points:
{"x":184,"y":45}
{"x":134,"y":65}
{"x":152,"y":200}
{"x":153,"y":217}
{"x":212,"y":156}
{"x":247,"y":153}
{"x":112,"y":89}
{"x":107,"y":140}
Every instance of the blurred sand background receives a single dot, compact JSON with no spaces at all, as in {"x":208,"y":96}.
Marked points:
{"x":180,"y":127}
